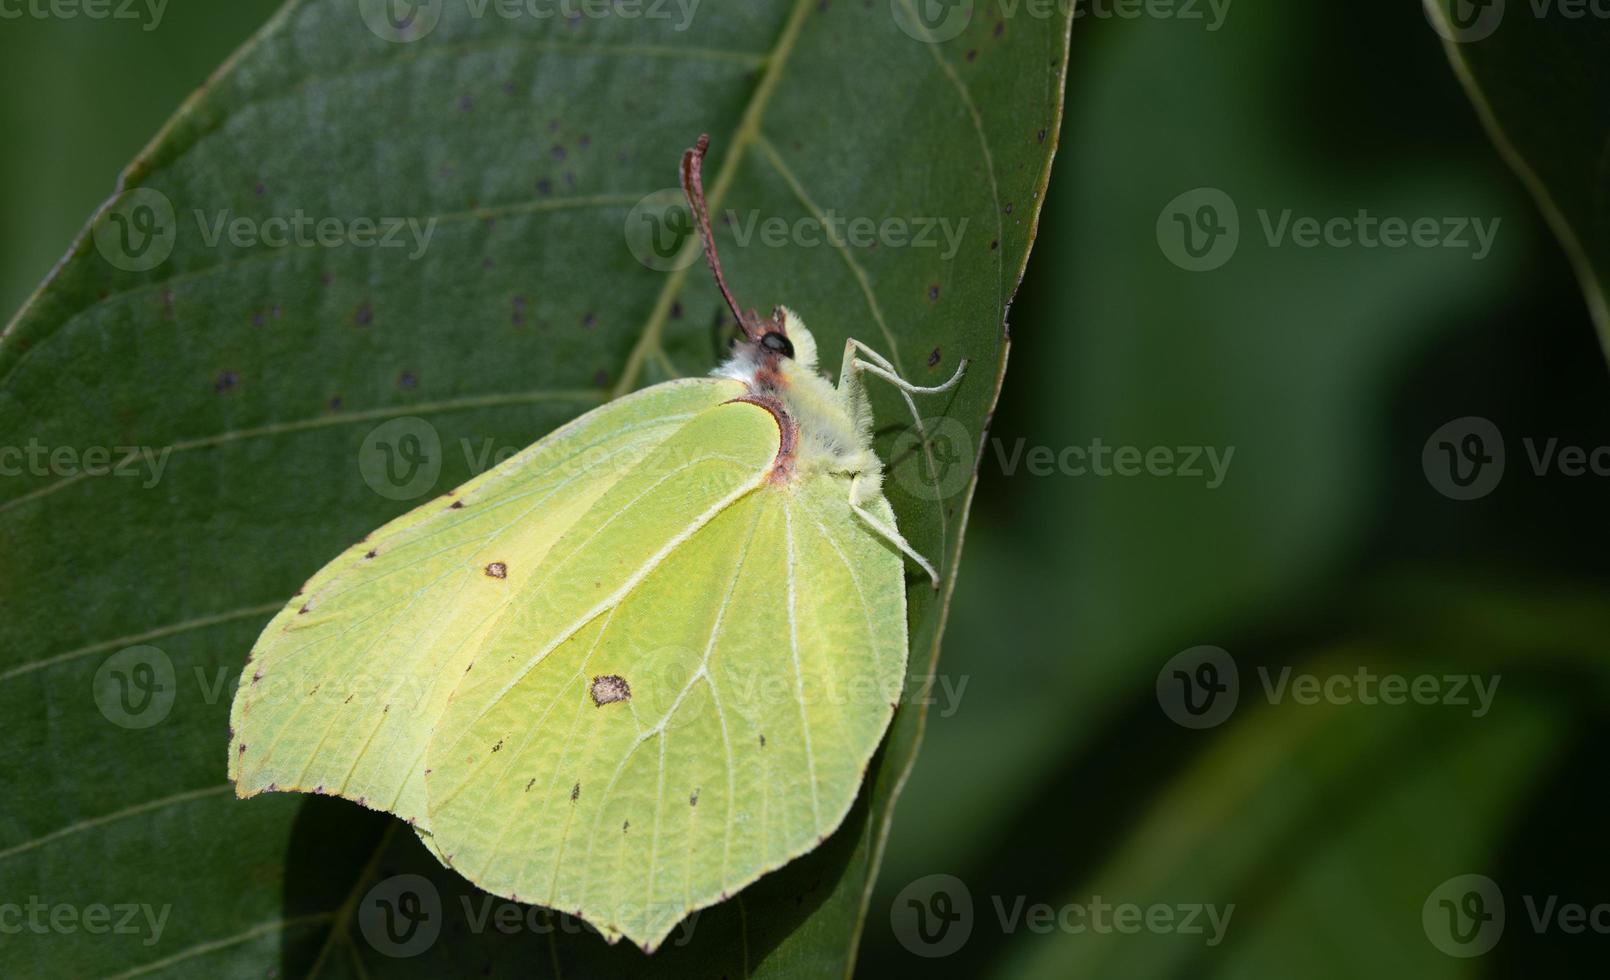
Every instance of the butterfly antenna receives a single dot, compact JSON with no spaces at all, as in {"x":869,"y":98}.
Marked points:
{"x":693,"y":187}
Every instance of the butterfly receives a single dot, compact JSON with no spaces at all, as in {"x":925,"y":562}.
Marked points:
{"x":629,"y":670}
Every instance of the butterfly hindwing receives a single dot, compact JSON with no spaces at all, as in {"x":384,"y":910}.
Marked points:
{"x":696,"y":729}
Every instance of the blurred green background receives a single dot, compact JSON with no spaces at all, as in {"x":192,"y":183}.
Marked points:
{"x":1056,"y":776}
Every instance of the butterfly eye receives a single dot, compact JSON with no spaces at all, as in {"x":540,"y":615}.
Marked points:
{"x":777,"y":344}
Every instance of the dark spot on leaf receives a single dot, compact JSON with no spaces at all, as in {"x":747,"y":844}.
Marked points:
{"x":466,"y":103}
{"x":1000,"y":28}
{"x":544,"y":186}
{"x":497,"y":570}
{"x":558,"y":152}
{"x":499,"y":745}
{"x":386,"y":710}
{"x":336,"y":402}
{"x":528,"y":785}
{"x":1008,"y":207}
{"x":271,"y":787}
{"x":762,"y":739}
{"x":693,"y":800}
{"x":407,"y":381}
{"x":933,"y":359}
{"x":242,"y":748}
{"x":933,"y":291}
{"x":371,"y":553}
{"x":972,"y":54}
{"x":456,"y":505}
{"x":363,"y":801}
{"x":226,"y":381}
{"x":508,"y":88}
{"x":676,"y":309}
{"x":601,"y":378}
{"x":364,"y":316}
{"x":319,"y":789}
{"x":348,"y":700}
{"x":259,"y":190}
{"x":625,"y":826}
{"x":609,"y":688}
{"x":1040,"y":136}
{"x":994,"y":244}
{"x":305,"y":607}
{"x":257,"y":677}
{"x":589,"y":320}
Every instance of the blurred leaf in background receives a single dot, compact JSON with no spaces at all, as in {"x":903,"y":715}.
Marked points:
{"x":1055,"y":776}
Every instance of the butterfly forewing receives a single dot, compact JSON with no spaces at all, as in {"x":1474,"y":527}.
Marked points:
{"x":345,"y":684}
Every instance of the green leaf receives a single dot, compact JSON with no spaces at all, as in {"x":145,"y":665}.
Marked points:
{"x":1539,"y":80}
{"x":252,"y":379}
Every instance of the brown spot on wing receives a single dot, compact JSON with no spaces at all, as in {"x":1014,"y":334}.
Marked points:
{"x":610,"y":688}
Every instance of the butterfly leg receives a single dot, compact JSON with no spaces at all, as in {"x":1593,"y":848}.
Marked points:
{"x":858,"y":358}
{"x":888,"y":533}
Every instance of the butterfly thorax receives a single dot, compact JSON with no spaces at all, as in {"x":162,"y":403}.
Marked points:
{"x":831,"y":425}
